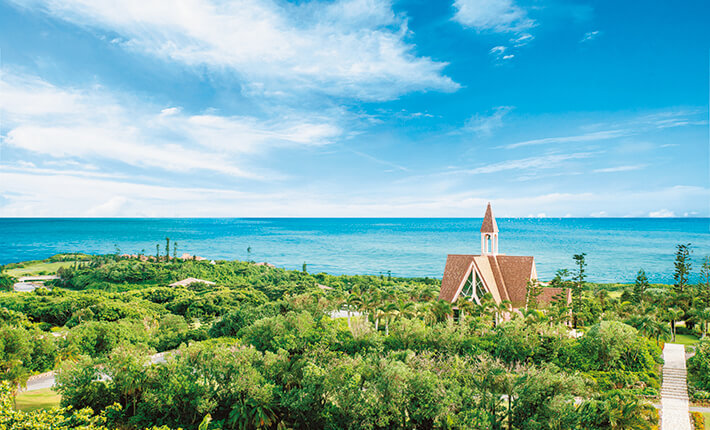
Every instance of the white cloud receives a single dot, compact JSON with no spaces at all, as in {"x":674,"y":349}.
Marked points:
{"x":494,"y":15}
{"x":589,"y":36}
{"x":522,"y":40}
{"x":484,"y":125}
{"x":615,"y":169}
{"x":499,"y":53}
{"x":350,"y":48}
{"x":170,"y":111}
{"x":94,"y":124}
{"x":39,"y":193}
{"x":663,"y":213}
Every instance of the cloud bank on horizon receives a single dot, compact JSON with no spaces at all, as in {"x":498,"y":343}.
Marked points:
{"x":353,"y":108}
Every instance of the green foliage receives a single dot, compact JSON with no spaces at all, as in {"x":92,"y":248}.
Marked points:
{"x":699,"y":366}
{"x":259,"y":350}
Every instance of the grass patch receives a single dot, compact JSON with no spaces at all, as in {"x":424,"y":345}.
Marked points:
{"x":615,"y":294}
{"x":45,"y":398}
{"x":39,"y":268}
{"x":686,"y":339}
{"x":707,"y":420}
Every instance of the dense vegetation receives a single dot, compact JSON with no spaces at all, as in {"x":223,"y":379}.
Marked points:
{"x":260,"y":349}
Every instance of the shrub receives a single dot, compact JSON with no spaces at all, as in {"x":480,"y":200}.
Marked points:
{"x":698,"y":420}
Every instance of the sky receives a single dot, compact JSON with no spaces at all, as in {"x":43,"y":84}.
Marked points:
{"x":354,"y":108}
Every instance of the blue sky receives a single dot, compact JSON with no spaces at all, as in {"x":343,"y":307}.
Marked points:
{"x":354,"y":108}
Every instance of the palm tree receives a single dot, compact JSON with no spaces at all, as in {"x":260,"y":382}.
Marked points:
{"x":426,"y":293}
{"x":441,"y":310}
{"x":660,"y":330}
{"x":703,"y":316}
{"x":493,"y":309}
{"x":405,"y":308}
{"x":353,"y":301}
{"x":602,"y":295}
{"x":673,"y":315}
{"x":465,"y":308}
{"x":388,"y":311}
{"x":534,"y":317}
{"x":643,"y":323}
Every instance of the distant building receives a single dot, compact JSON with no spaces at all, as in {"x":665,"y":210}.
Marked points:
{"x":188,"y":281}
{"x":265,"y":264}
{"x":505,"y":277}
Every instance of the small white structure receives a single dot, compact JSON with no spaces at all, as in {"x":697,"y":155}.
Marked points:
{"x":188,"y":281}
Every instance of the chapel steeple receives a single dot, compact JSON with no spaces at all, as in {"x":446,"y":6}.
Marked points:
{"x":489,"y":233}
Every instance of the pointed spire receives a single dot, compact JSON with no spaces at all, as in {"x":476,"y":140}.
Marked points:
{"x":489,"y":222}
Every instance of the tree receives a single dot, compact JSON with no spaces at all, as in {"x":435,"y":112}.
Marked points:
{"x":617,"y":410}
{"x":167,"y":248}
{"x":441,"y":309}
{"x":699,"y":366}
{"x":704,"y":284}
{"x":304,"y":268}
{"x":640,"y":286}
{"x":174,"y":249}
{"x":157,"y":251}
{"x":703,"y":316}
{"x":465,"y":308}
{"x":660,"y":330}
{"x":352,"y":302}
{"x":534,"y":289}
{"x":682,"y":267}
{"x":15,"y":356}
{"x":673,"y":315}
{"x":578,"y":286}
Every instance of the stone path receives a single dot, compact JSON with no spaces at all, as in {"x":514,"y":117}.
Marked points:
{"x":675,"y":414}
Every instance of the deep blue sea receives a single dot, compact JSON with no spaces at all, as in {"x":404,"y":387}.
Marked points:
{"x":616,"y":248}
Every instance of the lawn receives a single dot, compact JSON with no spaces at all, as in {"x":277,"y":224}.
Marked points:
{"x":39,"y":268}
{"x":615,"y":294}
{"x":686,"y":339}
{"x":38,"y":399}
{"x":707,"y":420}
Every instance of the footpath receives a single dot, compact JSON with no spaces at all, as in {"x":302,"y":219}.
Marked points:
{"x":675,"y":414}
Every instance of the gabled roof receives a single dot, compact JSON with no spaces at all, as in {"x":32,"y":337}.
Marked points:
{"x":516,"y":273}
{"x":457,"y":267}
{"x":489,"y":222}
{"x":505,"y":276}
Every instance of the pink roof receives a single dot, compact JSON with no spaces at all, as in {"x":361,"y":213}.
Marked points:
{"x":489,"y":222}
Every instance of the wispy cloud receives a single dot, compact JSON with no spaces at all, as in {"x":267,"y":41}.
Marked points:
{"x":379,"y":160}
{"x":500,"y":53}
{"x":484,"y":125}
{"x":541,"y":162}
{"x":615,"y":169}
{"x":347,"y":48}
{"x":589,"y":36}
{"x":630,"y":127}
{"x":522,"y":40}
{"x":493,"y":15}
{"x":597,"y":135}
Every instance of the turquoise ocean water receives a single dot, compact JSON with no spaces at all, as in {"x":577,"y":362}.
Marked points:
{"x":616,"y":247}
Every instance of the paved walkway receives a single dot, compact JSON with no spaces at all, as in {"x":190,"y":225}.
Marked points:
{"x":675,"y":414}
{"x":47,"y":380}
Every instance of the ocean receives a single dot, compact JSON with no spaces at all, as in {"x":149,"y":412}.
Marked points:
{"x":616,"y":248}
